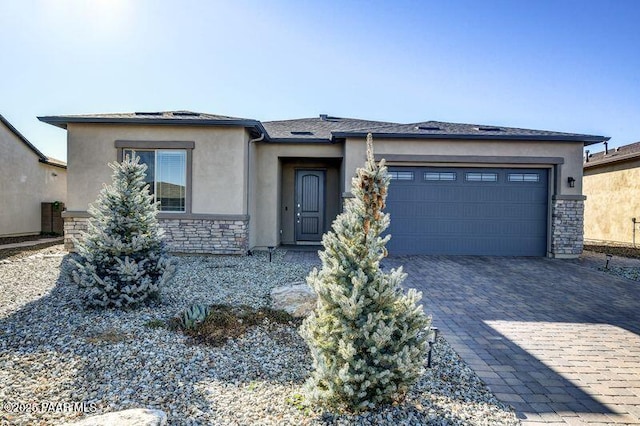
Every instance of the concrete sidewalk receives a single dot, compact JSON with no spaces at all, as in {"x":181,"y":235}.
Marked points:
{"x":31,"y":243}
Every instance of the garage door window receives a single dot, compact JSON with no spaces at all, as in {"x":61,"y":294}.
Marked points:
{"x":481,"y":177}
{"x":440,"y":176}
{"x":401,"y":175}
{"x":524,"y":177}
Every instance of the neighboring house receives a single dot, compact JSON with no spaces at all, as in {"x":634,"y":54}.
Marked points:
{"x":28,"y":178}
{"x":612,"y":187}
{"x":455,"y":189}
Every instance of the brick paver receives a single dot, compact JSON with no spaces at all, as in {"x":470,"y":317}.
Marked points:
{"x":556,"y":339}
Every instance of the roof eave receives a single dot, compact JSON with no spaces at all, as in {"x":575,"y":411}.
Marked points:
{"x":62,"y":121}
{"x":20,"y":136}
{"x":52,"y":163}
{"x":586,"y":139}
{"x":611,"y":160}
{"x":301,"y":140}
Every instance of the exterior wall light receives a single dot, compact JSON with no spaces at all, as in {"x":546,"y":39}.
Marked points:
{"x":572,"y":181}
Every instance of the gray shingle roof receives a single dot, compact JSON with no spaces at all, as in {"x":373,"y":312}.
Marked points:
{"x":620,"y":154}
{"x":316,"y":128}
{"x":444,"y":130}
{"x":326,"y":128}
{"x":41,"y":157}
{"x":161,"y":117}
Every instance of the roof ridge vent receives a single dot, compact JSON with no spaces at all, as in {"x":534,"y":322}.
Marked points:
{"x":489,"y":129}
{"x":324,"y":117}
{"x":427,"y":128}
{"x":154,"y":113}
{"x":186,"y":114}
{"x":301,"y":132}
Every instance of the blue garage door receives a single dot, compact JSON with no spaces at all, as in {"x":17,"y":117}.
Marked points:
{"x":468,"y":211}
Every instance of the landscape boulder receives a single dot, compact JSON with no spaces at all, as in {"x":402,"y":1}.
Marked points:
{"x":297,"y":299}
{"x":132,"y":417}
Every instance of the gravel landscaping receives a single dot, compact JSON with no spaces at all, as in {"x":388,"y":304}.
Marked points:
{"x":54,"y":351}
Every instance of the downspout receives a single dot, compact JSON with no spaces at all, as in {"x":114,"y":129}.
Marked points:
{"x":258,"y":139}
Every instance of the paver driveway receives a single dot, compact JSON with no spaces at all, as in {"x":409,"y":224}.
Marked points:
{"x":557,"y":340}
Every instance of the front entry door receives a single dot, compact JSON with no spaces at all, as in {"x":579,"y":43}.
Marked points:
{"x":309,"y":207}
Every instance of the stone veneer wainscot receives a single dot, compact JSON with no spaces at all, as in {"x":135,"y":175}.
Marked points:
{"x":566,"y":227}
{"x":217,"y":235}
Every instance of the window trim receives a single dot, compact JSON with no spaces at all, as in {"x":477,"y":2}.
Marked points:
{"x":188,"y":146}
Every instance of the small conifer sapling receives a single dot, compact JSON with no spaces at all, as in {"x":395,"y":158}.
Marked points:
{"x":368,"y":339}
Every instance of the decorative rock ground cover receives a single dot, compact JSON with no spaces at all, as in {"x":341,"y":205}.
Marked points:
{"x":60,"y":361}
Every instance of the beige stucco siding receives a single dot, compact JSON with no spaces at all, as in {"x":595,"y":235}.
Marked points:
{"x":613,"y":199}
{"x":26,"y":183}
{"x":570,"y":152}
{"x":219,"y":158}
{"x":266,"y":222}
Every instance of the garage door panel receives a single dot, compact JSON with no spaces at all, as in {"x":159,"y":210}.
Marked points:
{"x":507,"y":216}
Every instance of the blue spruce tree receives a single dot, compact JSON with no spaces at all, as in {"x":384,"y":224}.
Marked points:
{"x":123,"y":261}
{"x":367,"y":338}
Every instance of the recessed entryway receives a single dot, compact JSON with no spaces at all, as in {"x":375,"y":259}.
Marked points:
{"x":310,"y":199}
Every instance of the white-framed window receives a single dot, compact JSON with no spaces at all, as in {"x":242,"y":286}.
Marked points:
{"x":406,"y":175}
{"x":440,"y":176}
{"x":166,"y":176}
{"x":524,"y":177}
{"x":481,"y":177}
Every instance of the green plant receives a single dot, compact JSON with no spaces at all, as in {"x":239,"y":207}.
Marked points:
{"x":155,"y":323}
{"x":123,"y":260}
{"x":194,"y":315}
{"x":367,"y":338}
{"x":298,"y":401}
{"x":225,"y":322}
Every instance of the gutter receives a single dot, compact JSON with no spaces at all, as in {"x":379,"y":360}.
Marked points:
{"x":588,"y":140}
{"x":258,"y":139}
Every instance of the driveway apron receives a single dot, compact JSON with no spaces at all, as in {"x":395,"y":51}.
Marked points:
{"x":557,"y":340}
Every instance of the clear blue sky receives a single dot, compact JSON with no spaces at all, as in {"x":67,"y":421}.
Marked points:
{"x":565,"y":65}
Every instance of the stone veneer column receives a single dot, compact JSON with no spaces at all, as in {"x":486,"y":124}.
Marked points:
{"x":567,"y":227}
{"x":206,"y":236}
{"x":73,"y":226}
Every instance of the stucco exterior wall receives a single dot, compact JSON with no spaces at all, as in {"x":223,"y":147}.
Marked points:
{"x":219,"y":158}
{"x":26,"y":183}
{"x":613,"y":199}
{"x":266,"y":194}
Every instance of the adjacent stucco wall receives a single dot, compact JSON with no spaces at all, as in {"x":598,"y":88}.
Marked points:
{"x":267,"y":192}
{"x":613,"y":199}
{"x":219,"y":158}
{"x":26,"y":183}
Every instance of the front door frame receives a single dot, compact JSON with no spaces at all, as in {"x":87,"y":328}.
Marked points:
{"x":299,"y":239}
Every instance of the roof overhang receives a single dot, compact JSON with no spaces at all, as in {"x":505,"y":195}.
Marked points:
{"x":586,"y":139}
{"x":612,"y":160}
{"x":63,"y":121}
